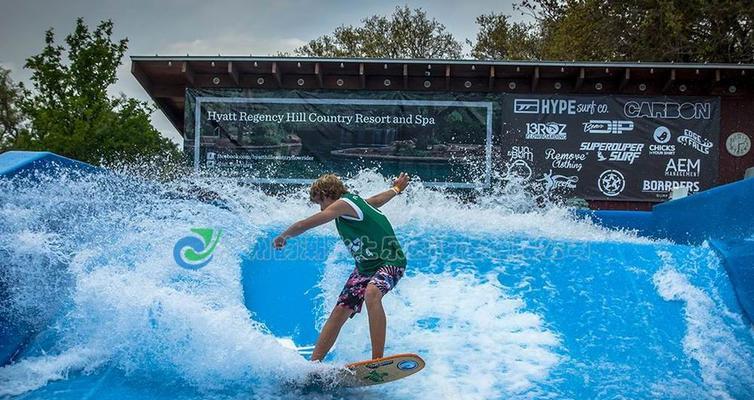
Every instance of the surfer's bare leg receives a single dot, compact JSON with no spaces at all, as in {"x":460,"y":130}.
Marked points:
{"x":330,"y":331}
{"x":377,"y":320}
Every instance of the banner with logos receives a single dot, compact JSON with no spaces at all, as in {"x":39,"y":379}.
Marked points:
{"x":633,"y":148}
{"x":613,"y":147}
{"x":294,"y":136}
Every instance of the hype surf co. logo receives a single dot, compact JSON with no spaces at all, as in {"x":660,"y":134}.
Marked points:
{"x":195,"y":251}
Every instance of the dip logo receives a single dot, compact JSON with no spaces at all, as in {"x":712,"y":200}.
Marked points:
{"x":195,"y":251}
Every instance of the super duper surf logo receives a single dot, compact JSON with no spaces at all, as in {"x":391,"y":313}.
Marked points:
{"x":195,"y":251}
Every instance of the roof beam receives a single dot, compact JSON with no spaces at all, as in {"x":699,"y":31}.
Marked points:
{"x":447,"y":77}
{"x":362,"y":78}
{"x":491,"y":83}
{"x":579,"y":80}
{"x":188,"y":73}
{"x":318,"y":72}
{"x":277,"y":74}
{"x":167,"y":91}
{"x":233,"y":72}
{"x":535,"y":79}
{"x":669,"y":82}
{"x":714,"y":82}
{"x":142,"y":77}
{"x":624,"y":80}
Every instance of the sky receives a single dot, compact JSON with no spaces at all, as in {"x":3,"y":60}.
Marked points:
{"x":200,"y":27}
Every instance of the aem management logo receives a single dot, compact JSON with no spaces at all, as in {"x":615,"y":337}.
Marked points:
{"x":195,"y":251}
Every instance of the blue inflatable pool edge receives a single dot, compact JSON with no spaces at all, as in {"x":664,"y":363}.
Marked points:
{"x":722,"y":216}
{"x":20,"y":163}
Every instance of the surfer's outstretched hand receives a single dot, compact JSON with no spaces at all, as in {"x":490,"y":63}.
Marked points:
{"x":401,"y":182}
{"x":279,"y":242}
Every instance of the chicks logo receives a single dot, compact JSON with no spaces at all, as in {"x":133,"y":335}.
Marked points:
{"x":195,"y":251}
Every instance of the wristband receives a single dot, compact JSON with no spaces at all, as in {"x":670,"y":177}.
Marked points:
{"x":395,"y":189}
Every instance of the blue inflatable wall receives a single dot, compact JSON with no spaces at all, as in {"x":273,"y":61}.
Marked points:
{"x":723,"y":216}
{"x":23,"y":165}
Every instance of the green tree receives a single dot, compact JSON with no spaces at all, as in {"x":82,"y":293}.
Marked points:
{"x":406,"y":34}
{"x":70,"y":112}
{"x":499,"y":38}
{"x":641,"y":30}
{"x":11,"y":117}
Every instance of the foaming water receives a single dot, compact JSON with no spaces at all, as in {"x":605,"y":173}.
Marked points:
{"x":502,"y":299}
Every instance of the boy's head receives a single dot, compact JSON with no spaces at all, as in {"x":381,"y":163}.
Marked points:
{"x":326,"y":189}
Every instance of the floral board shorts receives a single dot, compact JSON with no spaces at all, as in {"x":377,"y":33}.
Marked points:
{"x":385,"y":279}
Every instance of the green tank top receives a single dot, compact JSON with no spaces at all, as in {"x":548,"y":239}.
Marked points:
{"x":369,"y":236}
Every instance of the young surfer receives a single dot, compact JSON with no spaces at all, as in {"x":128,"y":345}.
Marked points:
{"x":367,"y":233}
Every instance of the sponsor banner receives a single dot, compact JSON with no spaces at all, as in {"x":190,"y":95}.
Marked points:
{"x":630,"y":148}
{"x":634,"y":148}
{"x":291,"y":136}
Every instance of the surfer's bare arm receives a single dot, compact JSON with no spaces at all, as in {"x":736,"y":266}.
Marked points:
{"x":335,"y":210}
{"x":399,"y":185}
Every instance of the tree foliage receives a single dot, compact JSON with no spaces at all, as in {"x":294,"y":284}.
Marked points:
{"x":11,"y":117}
{"x":406,"y":34}
{"x":645,"y":30}
{"x":70,"y":112}
{"x":499,"y":38}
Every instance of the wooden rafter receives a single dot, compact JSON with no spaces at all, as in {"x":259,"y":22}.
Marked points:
{"x":579,"y":80}
{"x":624,"y":80}
{"x":188,"y":73}
{"x":233,"y":72}
{"x":277,"y":74}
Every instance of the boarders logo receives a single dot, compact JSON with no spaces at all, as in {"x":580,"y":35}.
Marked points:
{"x":520,"y":153}
{"x":617,"y":151}
{"x":609,"y":127}
{"x":565,"y":160}
{"x":552,"y":182}
{"x":682,"y":167}
{"x":611,"y":182}
{"x":667,"y":110}
{"x":693,"y":139}
{"x":664,"y":187}
{"x":548,"y":131}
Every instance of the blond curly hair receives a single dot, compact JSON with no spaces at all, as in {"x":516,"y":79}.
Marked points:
{"x":327,"y":186}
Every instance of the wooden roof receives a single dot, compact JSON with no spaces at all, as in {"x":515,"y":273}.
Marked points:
{"x":166,"y":78}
